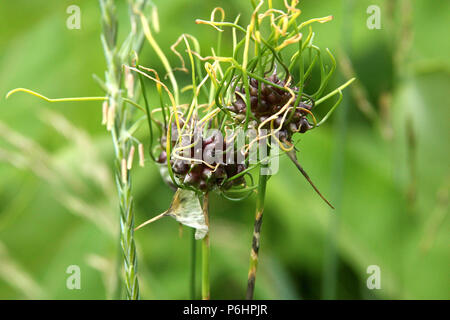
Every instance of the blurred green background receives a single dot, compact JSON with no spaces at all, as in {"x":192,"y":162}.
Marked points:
{"x":383,"y":160}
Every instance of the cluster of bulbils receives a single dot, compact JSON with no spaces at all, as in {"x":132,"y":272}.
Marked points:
{"x":204,"y":165}
{"x":192,"y":170}
{"x":270,"y":101}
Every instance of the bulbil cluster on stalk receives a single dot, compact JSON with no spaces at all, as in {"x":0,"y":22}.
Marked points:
{"x":204,"y":164}
{"x":267,"y":101}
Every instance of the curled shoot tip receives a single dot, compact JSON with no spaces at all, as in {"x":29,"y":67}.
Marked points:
{"x":331,"y":110}
{"x":215,"y":58}
{"x":149,"y":36}
{"x":291,"y":6}
{"x":335,"y":91}
{"x":212,"y":24}
{"x":326,"y":19}
{"x":213,"y":14}
{"x":74,"y":99}
{"x":293,"y":39}
{"x":157,"y":81}
{"x":178,"y":54}
{"x":184,"y":38}
{"x":255,"y":12}
{"x":320,"y":20}
{"x":40,"y":96}
{"x":211,"y":73}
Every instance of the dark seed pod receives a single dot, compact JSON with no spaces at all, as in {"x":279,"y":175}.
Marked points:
{"x":210,"y":149}
{"x":162,"y":157}
{"x":268,"y":102}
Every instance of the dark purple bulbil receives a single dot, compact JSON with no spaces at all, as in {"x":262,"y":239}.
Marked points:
{"x":271,"y":101}
{"x":197,"y":174}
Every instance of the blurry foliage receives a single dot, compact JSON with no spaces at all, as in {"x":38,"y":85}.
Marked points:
{"x":58,"y":205}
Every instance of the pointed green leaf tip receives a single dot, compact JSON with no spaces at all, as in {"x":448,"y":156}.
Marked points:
{"x":186,"y":209}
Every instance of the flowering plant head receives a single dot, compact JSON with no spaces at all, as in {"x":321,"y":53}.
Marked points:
{"x":240,"y":100}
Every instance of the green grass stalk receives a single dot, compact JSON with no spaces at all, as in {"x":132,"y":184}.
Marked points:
{"x":205,"y":252}
{"x":121,"y":145}
{"x":193,"y":265}
{"x":254,"y":252}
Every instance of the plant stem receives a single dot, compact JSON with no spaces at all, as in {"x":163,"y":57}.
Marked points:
{"x":205,"y":252}
{"x":262,"y":183}
{"x":119,"y":286}
{"x":193,"y":264}
{"x":127,"y":235}
{"x":121,"y":146}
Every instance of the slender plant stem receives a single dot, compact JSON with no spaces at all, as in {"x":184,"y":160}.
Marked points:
{"x":119,"y":286}
{"x":193,"y":265}
{"x":121,"y":146}
{"x":127,"y":236}
{"x":254,"y":252}
{"x":205,"y":252}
